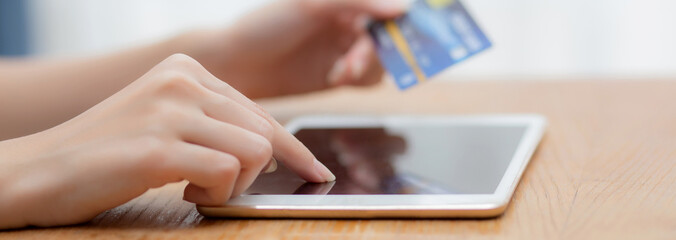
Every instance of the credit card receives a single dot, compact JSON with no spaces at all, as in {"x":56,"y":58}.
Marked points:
{"x":432,"y":36}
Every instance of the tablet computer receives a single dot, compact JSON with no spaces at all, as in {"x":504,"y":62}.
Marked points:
{"x":398,"y":166}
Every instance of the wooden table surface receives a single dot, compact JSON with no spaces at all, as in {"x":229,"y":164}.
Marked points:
{"x":606,"y":168}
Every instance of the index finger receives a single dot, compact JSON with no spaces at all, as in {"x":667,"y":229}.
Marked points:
{"x":286,"y":148}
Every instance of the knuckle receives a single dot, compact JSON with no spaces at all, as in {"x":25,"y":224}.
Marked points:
{"x":227,"y":167}
{"x":166,"y":112}
{"x":152,"y":152}
{"x":183,"y":62}
{"x":175,"y":77}
{"x":154,"y":147}
{"x":262,"y":112}
{"x":223,"y":102}
{"x":164,"y":120}
{"x":179,"y":83}
{"x":181,"y":59}
{"x":266,"y":129}
{"x":213,"y":155}
{"x":263,"y":151}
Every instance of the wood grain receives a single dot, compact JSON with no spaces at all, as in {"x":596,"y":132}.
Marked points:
{"x":606,"y":169}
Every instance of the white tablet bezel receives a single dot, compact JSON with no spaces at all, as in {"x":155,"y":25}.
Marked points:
{"x":394,"y":205}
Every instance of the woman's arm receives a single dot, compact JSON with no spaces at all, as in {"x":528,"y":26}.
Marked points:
{"x":176,"y":122}
{"x":36,"y":94}
{"x":288,"y":47}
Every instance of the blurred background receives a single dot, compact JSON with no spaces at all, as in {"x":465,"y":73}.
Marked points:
{"x":535,"y":39}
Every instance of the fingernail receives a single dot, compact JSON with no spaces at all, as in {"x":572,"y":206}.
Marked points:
{"x":336,"y":72}
{"x":324,"y":172}
{"x":272,"y":166}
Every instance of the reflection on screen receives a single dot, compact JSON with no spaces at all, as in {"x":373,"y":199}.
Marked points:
{"x":459,"y":159}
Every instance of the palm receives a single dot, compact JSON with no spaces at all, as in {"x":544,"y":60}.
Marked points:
{"x":286,"y":52}
{"x":302,"y":67}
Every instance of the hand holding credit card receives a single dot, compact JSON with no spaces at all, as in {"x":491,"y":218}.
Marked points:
{"x":432,"y":36}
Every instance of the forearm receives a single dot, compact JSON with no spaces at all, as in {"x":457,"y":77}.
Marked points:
{"x":36,"y":94}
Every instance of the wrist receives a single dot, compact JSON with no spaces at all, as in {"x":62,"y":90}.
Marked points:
{"x":207,"y":46}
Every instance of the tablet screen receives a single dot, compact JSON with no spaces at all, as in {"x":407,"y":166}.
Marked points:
{"x":437,"y":159}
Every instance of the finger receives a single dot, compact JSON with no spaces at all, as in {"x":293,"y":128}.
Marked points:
{"x":338,"y":74}
{"x":357,"y":59}
{"x":295,"y":156}
{"x":253,"y":150}
{"x":271,"y":167}
{"x":225,"y":109}
{"x":373,"y":75}
{"x":371,"y":72}
{"x":286,"y":147}
{"x":246,"y":177}
{"x":360,"y":65}
{"x":375,"y":8}
{"x":211,"y":173}
{"x":353,"y":30}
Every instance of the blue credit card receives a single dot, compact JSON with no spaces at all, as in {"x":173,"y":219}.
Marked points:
{"x":432,"y":36}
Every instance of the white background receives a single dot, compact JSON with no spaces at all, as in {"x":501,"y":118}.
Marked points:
{"x":541,"y":39}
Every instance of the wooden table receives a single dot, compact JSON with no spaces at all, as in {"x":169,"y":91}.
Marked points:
{"x":606,"y":168}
